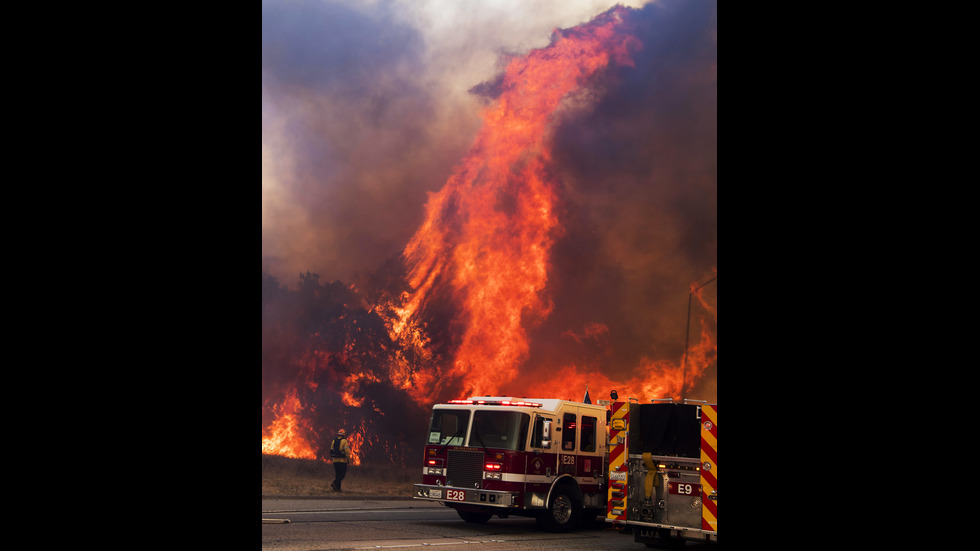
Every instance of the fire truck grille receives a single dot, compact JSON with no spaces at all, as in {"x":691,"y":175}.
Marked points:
{"x":464,"y":468}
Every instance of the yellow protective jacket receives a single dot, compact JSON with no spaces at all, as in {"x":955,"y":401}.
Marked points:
{"x":344,"y":451}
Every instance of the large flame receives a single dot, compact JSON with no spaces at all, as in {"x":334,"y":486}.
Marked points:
{"x":488,"y":232}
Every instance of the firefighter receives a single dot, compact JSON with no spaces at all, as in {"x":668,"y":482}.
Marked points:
{"x":339,"y":455}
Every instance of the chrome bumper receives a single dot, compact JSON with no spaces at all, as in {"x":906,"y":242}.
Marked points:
{"x":468,"y":496}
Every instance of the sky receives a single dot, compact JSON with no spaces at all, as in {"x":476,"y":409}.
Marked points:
{"x":367,"y":106}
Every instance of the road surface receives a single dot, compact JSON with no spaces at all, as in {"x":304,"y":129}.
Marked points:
{"x":330,"y":524}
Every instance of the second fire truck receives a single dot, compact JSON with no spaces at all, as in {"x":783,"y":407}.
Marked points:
{"x":663,"y":471}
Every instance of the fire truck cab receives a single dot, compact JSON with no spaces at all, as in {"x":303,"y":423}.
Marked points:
{"x":543,"y":458}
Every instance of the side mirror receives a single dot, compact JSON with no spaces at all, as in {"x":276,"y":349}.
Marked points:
{"x":546,"y":434}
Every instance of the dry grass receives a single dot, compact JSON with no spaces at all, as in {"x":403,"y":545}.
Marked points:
{"x":288,"y":477}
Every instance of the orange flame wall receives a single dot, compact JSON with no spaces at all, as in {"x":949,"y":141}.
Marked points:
{"x":488,"y":232}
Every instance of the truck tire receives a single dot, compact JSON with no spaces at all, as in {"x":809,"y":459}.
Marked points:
{"x":475,"y":518}
{"x":562,"y":514}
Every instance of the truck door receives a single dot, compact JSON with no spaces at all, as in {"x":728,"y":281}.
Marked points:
{"x":543,"y":461}
{"x":568,"y":444}
{"x":591,"y":451}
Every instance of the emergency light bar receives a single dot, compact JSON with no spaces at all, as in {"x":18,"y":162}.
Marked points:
{"x":496,"y":403}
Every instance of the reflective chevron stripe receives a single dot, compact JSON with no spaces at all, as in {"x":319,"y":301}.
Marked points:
{"x":618,"y":429}
{"x":709,"y":467}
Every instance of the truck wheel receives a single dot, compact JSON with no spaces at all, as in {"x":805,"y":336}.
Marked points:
{"x":562,"y":514}
{"x":475,"y":518}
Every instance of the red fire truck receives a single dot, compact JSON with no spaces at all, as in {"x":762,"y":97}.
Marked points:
{"x":544,"y":458}
{"x":663,"y":471}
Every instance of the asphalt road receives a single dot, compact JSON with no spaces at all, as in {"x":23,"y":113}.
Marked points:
{"x":321,"y":524}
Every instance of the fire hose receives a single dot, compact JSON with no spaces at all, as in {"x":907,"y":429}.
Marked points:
{"x":648,"y":481}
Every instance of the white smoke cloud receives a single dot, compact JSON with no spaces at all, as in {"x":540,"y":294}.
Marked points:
{"x":366,"y":106}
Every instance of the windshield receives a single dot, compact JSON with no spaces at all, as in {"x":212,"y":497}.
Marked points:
{"x":500,"y":429}
{"x":448,"y":426}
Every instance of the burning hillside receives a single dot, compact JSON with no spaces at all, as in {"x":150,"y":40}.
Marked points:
{"x":558,"y":253}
